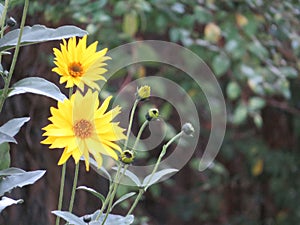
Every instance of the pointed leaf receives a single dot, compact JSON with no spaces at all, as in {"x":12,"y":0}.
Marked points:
{"x":157,"y":176}
{"x":5,"y":202}
{"x":112,"y":219}
{"x":93,"y":192}
{"x":69,"y":217}
{"x":130,"y":175}
{"x":20,"y":180}
{"x":39,"y":33}
{"x":123,"y":198}
{"x":37,"y":85}
{"x":13,"y":126}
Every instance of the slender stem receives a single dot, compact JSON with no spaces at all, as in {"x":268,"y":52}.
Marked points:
{"x":105,"y":202}
{"x":139,"y":134}
{"x":136,"y":201}
{"x":130,"y":123}
{"x":112,"y":196}
{"x":3,"y":22}
{"x":61,"y":191}
{"x":74,"y":187}
{"x":161,"y":155}
{"x":14,"y":60}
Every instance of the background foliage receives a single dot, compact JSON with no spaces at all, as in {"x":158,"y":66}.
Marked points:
{"x":253,"y":48}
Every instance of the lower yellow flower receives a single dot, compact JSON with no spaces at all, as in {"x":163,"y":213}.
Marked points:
{"x":82,"y":128}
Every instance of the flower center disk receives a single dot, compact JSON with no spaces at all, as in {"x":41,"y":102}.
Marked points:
{"x":83,"y":129}
{"x":75,"y":69}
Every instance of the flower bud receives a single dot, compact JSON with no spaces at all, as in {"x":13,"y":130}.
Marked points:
{"x":152,"y":114}
{"x":127,"y":157}
{"x":87,"y":218}
{"x":143,"y":92}
{"x":188,"y":129}
{"x":11,"y":22}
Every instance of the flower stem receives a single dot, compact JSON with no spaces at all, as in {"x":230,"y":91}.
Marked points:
{"x":61,"y":191}
{"x":130,"y":123}
{"x":74,"y":187}
{"x":161,"y":155}
{"x":14,"y":60}
{"x":139,"y":134}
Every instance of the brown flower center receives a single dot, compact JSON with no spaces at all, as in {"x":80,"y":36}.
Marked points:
{"x":83,"y":129}
{"x":75,"y":69}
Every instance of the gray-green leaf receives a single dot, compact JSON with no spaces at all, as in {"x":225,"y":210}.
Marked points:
{"x":93,"y":192}
{"x":37,"y":85}
{"x":157,"y":176}
{"x":123,"y":198}
{"x":5,"y":202}
{"x":37,"y":34}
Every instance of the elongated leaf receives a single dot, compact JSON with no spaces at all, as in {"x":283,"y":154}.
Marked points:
{"x":5,"y":202}
{"x":123,"y":198}
{"x":93,"y":192}
{"x":130,"y":175}
{"x":38,"y":33}
{"x":69,"y":217}
{"x":11,"y":171}
{"x":157,"y":176}
{"x":20,"y":180}
{"x":37,"y":85}
{"x":13,"y":126}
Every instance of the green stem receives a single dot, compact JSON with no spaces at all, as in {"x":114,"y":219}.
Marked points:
{"x":161,"y":155}
{"x":61,"y":191}
{"x":130,"y":123}
{"x":112,"y":196}
{"x":14,"y":60}
{"x":139,"y":134}
{"x":74,"y":187}
{"x":3,"y":22}
{"x":105,"y":202}
{"x":136,"y":201}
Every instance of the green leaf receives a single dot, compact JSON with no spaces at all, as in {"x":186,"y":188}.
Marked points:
{"x":13,"y":126}
{"x":220,"y":64}
{"x":233,"y":90}
{"x":69,"y":217}
{"x":4,"y":156}
{"x":19,"y":180}
{"x":258,"y":120}
{"x":37,"y":34}
{"x":93,"y":192}
{"x":256,"y":103}
{"x":130,"y":175}
{"x":5,"y":202}
{"x":37,"y":85}
{"x":157,"y":176}
{"x":240,"y":114}
{"x":130,"y":23}
{"x":257,"y":49}
{"x":289,"y":72}
{"x":123,"y":198}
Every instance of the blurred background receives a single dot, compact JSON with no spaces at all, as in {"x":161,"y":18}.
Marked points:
{"x":253,"y":48}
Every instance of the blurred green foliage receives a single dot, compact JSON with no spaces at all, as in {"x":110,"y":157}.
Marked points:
{"x":253,"y":47}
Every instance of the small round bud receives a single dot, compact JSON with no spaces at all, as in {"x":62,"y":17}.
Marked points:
{"x":143,"y":92}
{"x":127,"y":157}
{"x":152,"y":114}
{"x":11,"y":22}
{"x":188,"y":129}
{"x":87,"y":218}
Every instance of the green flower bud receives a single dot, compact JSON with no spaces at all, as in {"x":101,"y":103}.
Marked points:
{"x":143,"y":92}
{"x":188,"y":129}
{"x":127,"y":157}
{"x":152,"y":114}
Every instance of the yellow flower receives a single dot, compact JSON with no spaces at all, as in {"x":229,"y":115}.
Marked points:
{"x":78,"y":64}
{"x":82,"y":128}
{"x":143,"y":92}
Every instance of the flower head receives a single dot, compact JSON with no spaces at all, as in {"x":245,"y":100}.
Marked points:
{"x":152,"y":114}
{"x":82,"y":128}
{"x":127,"y":157}
{"x":143,"y":92}
{"x":79,"y":65}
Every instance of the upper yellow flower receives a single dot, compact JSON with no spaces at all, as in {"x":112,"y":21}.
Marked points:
{"x":81,"y":127}
{"x":79,"y":64}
